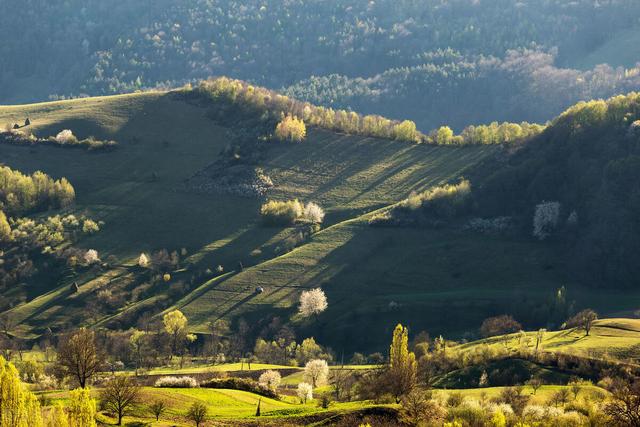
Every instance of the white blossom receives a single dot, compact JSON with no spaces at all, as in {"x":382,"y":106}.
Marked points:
{"x":316,"y":372}
{"x":270,"y":379}
{"x":313,"y":302}
{"x":313,"y":213}
{"x":305,"y":392}
{"x":143,"y":260}
{"x":66,"y":137}
{"x":91,"y":256}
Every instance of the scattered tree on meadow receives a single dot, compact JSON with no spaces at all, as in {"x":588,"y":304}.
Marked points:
{"x":312,"y":302}
{"x":499,"y":325}
{"x":175,"y":323}
{"x":78,"y":356}
{"x":535,"y":383}
{"x":197,"y":413}
{"x":305,"y":392}
{"x":157,"y":408}
{"x":559,"y":397}
{"x":583,"y":320}
{"x":316,"y":372}
{"x":291,"y":128}
{"x":81,"y":408}
{"x":270,"y":379}
{"x":119,"y":395}
{"x":403,"y":368}
{"x":313,"y":213}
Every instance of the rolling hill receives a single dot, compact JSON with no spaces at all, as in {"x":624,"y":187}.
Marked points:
{"x":444,"y":279}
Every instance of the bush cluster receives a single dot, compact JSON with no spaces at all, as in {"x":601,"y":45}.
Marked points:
{"x":279,"y":213}
{"x":176,"y":382}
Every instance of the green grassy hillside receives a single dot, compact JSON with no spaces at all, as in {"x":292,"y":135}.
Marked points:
{"x":135,"y":190}
{"x":616,"y":339}
{"x":445,"y":280}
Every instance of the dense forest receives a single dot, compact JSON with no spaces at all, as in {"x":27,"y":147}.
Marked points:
{"x":457,"y":62}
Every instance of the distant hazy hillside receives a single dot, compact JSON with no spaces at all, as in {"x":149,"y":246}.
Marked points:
{"x":431,"y":61}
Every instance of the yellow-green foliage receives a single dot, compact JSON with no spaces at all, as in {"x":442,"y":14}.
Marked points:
{"x":18,"y":406}
{"x":618,"y":110}
{"x":267,"y":102}
{"x":291,"y":129}
{"x":494,"y":133}
{"x":281,"y":213}
{"x":443,"y":201}
{"x":82,"y":408}
{"x":22,"y":193}
{"x":5,"y":228}
{"x":57,"y":417}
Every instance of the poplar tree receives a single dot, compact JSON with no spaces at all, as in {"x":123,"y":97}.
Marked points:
{"x":402,"y":364}
{"x":82,"y":408}
{"x":18,"y":406}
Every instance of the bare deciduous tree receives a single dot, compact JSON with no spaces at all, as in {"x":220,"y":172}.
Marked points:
{"x":119,"y":395}
{"x":78,"y":356}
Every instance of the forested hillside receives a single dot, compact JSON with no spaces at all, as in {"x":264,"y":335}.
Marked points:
{"x":455,"y":62}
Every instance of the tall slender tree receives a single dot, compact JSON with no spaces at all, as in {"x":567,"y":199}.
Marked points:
{"x":403,"y":368}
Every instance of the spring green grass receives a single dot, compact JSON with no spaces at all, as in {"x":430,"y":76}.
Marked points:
{"x":617,"y":339}
{"x":223,"y":406}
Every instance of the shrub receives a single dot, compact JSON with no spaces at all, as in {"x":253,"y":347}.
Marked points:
{"x":176,"y":382}
{"x":244,"y":384}
{"x":281,"y":213}
{"x":90,"y":226}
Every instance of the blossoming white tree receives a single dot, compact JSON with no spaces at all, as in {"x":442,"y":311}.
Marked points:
{"x":313,"y":213}
{"x":545,"y":219}
{"x":316,"y":372}
{"x":143,"y":260}
{"x":91,"y":256}
{"x":313,"y":302}
{"x":270,"y":379}
{"x":66,"y":137}
{"x":305,"y":392}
